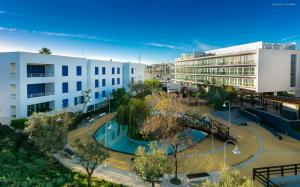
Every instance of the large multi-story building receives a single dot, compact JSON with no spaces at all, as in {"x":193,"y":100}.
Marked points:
{"x":162,"y":72}
{"x":261,"y":67}
{"x":31,"y":82}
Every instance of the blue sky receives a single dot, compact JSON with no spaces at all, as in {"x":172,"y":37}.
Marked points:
{"x":157,"y":30}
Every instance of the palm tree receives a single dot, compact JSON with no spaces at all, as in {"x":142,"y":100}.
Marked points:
{"x":45,"y":51}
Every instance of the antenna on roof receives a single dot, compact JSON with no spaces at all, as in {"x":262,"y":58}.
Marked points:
{"x":139,"y":58}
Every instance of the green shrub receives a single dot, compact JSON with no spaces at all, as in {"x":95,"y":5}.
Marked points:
{"x":18,"y":123}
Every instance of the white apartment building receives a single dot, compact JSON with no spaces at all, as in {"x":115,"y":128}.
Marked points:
{"x":31,"y":82}
{"x":133,"y":72}
{"x":261,"y":67}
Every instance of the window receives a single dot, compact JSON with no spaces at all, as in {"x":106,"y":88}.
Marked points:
{"x":132,"y":79}
{"x":103,"y":71}
{"x":78,"y":70}
{"x":81,"y":99}
{"x":65,"y":87}
{"x":78,"y":86}
{"x":113,"y":70}
{"x":96,"y":83}
{"x":103,"y":94}
{"x":113,"y":90}
{"x":132,"y":71}
{"x":65,"y":71}
{"x":118,"y":70}
{"x":103,"y":82}
{"x":113,"y":81}
{"x":96,"y":95}
{"x":293,"y":70}
{"x":118,"y":80}
{"x":75,"y":101}
{"x":65,"y":103}
{"x":96,"y":71}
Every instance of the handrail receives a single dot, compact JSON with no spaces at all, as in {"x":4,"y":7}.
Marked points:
{"x":40,"y":74}
{"x":40,"y":94}
{"x":263,"y":174}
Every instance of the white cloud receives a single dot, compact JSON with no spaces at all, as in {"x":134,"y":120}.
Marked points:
{"x":57,"y":34}
{"x":162,"y":45}
{"x":289,"y":37}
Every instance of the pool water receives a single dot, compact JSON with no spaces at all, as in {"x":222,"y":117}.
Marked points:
{"x":116,"y":139}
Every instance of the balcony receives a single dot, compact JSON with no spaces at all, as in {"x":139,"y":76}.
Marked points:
{"x":40,"y":94}
{"x":40,"y":90}
{"x":40,"y":70}
{"x":40,"y":74}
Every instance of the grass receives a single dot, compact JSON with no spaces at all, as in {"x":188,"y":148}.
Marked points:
{"x":22,"y":164}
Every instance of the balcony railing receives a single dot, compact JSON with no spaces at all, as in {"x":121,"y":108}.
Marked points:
{"x":39,"y":74}
{"x":39,"y":94}
{"x":13,"y":96}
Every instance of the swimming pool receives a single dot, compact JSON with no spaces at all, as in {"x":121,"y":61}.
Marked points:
{"x":120,"y":142}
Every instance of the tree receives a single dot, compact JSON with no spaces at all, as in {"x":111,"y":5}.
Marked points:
{"x":133,"y":114}
{"x":152,"y":164}
{"x":91,"y":153}
{"x":119,"y":97}
{"x":154,"y":84}
{"x":229,"y":178}
{"x":218,"y":94}
{"x":166,"y":125}
{"x":140,"y":89}
{"x":49,"y":133}
{"x":45,"y":51}
{"x":86,"y":98}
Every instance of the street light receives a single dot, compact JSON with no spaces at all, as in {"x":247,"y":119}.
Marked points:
{"x":224,"y":105}
{"x":235,"y":151}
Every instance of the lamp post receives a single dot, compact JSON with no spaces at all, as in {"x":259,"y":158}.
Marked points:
{"x":235,"y":151}
{"x":224,"y":105}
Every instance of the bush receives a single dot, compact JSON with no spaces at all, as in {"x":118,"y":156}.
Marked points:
{"x":18,"y":123}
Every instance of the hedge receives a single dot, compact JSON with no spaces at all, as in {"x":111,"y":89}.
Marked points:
{"x":18,"y":123}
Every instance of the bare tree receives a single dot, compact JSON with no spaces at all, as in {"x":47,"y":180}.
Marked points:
{"x":166,"y":125}
{"x":87,"y":98}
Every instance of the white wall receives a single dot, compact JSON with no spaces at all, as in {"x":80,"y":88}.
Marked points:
{"x":88,"y":77}
{"x":274,"y":70}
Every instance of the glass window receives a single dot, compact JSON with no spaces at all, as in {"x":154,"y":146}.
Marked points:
{"x":118,"y":80}
{"x":96,"y":71}
{"x":81,"y":99}
{"x":113,"y":70}
{"x":78,"y":70}
{"x":65,"y":103}
{"x":132,"y":71}
{"x":96,"y":95}
{"x":96,"y":83}
{"x":65,"y":71}
{"x":103,"y":82}
{"x":103,"y":71}
{"x":65,"y":87}
{"x":113,"y":81}
{"x":78,"y":86}
{"x":103,"y":94}
{"x":132,"y":79}
{"x":118,"y":70}
{"x":75,"y":101}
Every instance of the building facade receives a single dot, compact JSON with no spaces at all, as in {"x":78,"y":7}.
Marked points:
{"x":261,"y":67}
{"x":31,"y":82}
{"x":133,"y":72}
{"x":162,"y":72}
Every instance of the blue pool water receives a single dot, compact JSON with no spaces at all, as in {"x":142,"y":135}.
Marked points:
{"x":120,"y":142}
